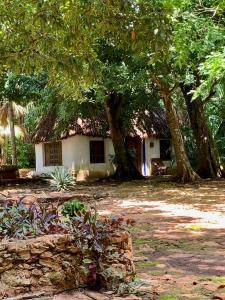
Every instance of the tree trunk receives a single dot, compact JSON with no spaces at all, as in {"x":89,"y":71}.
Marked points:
{"x":12,"y":133}
{"x":185,"y":173}
{"x":5,"y":151}
{"x":209,"y":165}
{"x":125,"y":166}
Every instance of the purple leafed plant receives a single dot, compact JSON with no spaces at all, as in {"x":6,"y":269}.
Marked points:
{"x":18,"y":220}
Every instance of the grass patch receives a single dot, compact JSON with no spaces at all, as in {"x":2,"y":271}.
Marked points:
{"x":170,"y":245}
{"x":218,"y":279}
{"x":168,"y":297}
{"x":140,"y":227}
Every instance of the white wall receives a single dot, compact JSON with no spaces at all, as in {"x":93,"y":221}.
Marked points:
{"x":76,"y":157}
{"x":152,"y":152}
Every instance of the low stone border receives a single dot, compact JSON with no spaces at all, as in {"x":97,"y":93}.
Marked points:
{"x":54,"y":263}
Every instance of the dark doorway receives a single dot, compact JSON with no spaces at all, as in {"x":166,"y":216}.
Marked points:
{"x":134,"y":146}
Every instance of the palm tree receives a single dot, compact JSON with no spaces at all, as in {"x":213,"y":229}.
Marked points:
{"x":10,"y":112}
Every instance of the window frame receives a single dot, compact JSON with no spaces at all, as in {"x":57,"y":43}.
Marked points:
{"x":95,"y":161}
{"x":49,"y":164}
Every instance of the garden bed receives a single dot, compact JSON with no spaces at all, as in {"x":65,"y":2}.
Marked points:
{"x":54,"y":263}
{"x":44,"y":249}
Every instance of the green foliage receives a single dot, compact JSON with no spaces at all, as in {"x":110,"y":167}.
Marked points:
{"x":95,"y":235}
{"x":61,"y":179}
{"x":129,"y":288}
{"x":73,"y":208}
{"x":25,"y":153}
{"x":116,"y":45}
{"x":8,"y":168}
{"x":20,"y":221}
{"x":21,"y":88}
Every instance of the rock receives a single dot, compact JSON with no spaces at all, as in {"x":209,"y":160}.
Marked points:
{"x":18,"y":246}
{"x":71,"y":296}
{"x":219,"y":296}
{"x":25,"y":255}
{"x":54,"y":263}
{"x":46,"y":262}
{"x":36,"y":272}
{"x":96,"y":296}
{"x":27,"y":267}
{"x":26,"y":282}
{"x":221,"y":286}
{"x":73,"y":249}
{"x":140,"y":258}
{"x":6,"y":267}
{"x":3,"y":247}
{"x":35,"y":250}
{"x":130,"y":297}
{"x":46,"y":255}
{"x":56,"y":277}
{"x":66,"y":264}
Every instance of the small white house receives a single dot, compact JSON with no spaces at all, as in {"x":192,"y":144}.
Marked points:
{"x":85,"y":151}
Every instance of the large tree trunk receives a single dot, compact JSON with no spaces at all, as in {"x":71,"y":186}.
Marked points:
{"x":209,"y":165}
{"x":12,"y":133}
{"x":125,"y":165}
{"x":185,"y":173}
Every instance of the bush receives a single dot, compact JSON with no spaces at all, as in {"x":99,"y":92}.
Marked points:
{"x":25,"y":153}
{"x":19,"y":221}
{"x":91,"y":235}
{"x":8,"y":168}
{"x":62,"y":180}
{"x":73,"y":208}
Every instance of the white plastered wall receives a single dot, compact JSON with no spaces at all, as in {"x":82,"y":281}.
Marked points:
{"x":76,"y":157}
{"x":152,"y":152}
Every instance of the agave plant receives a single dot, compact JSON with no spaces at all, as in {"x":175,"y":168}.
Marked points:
{"x":61,"y":179}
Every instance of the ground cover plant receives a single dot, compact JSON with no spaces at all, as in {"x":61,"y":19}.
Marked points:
{"x":20,"y":221}
{"x":92,"y":234}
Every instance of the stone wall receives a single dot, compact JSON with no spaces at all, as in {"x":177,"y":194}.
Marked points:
{"x":53,"y":263}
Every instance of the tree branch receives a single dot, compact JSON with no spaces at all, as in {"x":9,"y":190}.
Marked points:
{"x":212,"y":92}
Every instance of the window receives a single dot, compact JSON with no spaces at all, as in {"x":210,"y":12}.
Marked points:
{"x":165,"y":149}
{"x":53,"y":154}
{"x":97,"y":152}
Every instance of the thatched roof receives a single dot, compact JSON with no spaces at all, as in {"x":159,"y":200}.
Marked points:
{"x":144,"y":124}
{"x":150,"y":123}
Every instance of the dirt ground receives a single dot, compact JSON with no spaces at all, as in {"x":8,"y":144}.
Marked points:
{"x":178,"y":237}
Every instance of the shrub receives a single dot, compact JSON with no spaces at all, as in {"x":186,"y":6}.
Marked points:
{"x":8,"y":168}
{"x":25,"y":153}
{"x":73,"y":208}
{"x":20,"y":221}
{"x":61,"y":179}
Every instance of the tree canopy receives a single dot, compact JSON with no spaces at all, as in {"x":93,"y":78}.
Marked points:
{"x":135,"y":49}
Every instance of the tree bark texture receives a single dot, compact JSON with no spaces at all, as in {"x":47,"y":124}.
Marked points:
{"x":12,"y":133}
{"x":125,"y":166}
{"x":185,"y":173}
{"x":209,"y":164}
